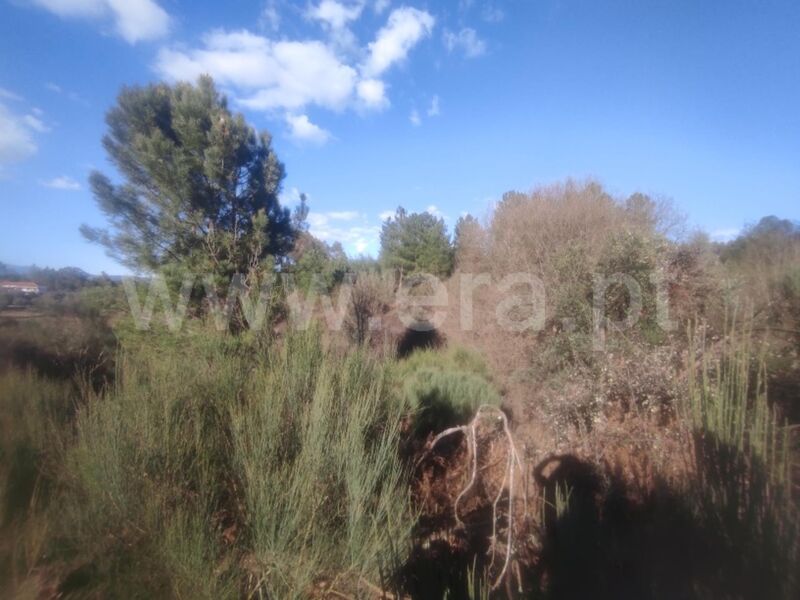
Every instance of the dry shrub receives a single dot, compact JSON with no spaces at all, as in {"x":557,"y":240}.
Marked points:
{"x":696,"y":281}
{"x":370,"y":297}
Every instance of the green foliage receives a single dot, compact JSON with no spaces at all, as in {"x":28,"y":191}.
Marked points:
{"x":201,"y":189}
{"x":151,"y":469}
{"x":210,"y":454}
{"x":634,"y":256}
{"x":68,"y":279}
{"x":744,"y":460}
{"x":317,"y":445}
{"x":445,"y":388}
{"x":34,"y":415}
{"x":314,"y":261}
{"x":468,"y":241}
{"x":416,"y":243}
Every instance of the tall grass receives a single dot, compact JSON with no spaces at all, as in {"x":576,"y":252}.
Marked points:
{"x":326,"y":494}
{"x":744,"y":460}
{"x":213,"y":467}
{"x":33,"y":413}
{"x":150,"y":473}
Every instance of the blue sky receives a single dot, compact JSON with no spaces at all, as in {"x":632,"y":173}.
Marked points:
{"x":430,"y":105}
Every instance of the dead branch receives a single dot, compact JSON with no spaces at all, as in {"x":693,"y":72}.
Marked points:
{"x":513,"y":464}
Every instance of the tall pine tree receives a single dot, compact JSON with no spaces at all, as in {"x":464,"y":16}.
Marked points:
{"x":201,"y":186}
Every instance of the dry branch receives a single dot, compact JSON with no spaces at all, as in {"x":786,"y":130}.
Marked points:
{"x":513,"y":464}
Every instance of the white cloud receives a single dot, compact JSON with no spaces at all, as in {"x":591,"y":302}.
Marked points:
{"x":433,"y":109}
{"x":301,"y":129}
{"x":269,"y":75}
{"x":725,"y":234}
{"x":17,"y":131}
{"x":290,"y":198}
{"x":34,"y":122}
{"x":289,"y":76}
{"x":16,"y":141}
{"x":344,"y":215}
{"x":372,"y":92}
{"x":356,"y":238}
{"x":9,"y":95}
{"x":62,"y":183}
{"x":434,"y":210}
{"x":134,"y":20}
{"x":270,"y":17}
{"x":414,"y":118}
{"x":335,"y":15}
{"x":387,"y":214}
{"x":492,"y":13}
{"x":466,"y":41}
{"x":404,"y":29}
{"x":57,"y":89}
{"x":381,"y":5}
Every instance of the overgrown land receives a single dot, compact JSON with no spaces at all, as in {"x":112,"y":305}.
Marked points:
{"x":570,"y":397}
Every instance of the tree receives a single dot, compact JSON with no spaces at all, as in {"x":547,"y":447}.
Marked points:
{"x":201,"y":186}
{"x":468,"y":242}
{"x":416,"y":243}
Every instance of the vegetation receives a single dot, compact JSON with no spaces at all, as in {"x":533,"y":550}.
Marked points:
{"x":201,"y":189}
{"x":416,"y":243}
{"x":587,"y":455}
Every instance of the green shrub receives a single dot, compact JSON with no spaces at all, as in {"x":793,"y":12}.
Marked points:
{"x":445,"y":388}
{"x":316,"y":443}
{"x":744,"y":463}
{"x":150,"y":473}
{"x":216,"y":465}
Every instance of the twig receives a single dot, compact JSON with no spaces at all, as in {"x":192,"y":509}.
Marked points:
{"x":514,"y":462}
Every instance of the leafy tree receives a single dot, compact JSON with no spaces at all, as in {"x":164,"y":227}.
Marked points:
{"x":201,"y":186}
{"x":416,"y":243}
{"x":468,"y":241}
{"x":763,"y":240}
{"x":314,"y":260}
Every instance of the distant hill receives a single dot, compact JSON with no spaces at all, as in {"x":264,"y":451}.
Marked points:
{"x":67,"y":278}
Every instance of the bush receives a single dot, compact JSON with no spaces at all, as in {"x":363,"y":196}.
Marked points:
{"x":743,"y":464}
{"x":445,"y":388}
{"x":316,"y":443}
{"x":370,"y":297}
{"x":215,"y":466}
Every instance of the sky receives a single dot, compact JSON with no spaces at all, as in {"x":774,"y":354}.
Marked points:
{"x":437,"y":106}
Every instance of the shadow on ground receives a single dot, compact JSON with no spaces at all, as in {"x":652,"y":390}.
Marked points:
{"x":609,"y":543}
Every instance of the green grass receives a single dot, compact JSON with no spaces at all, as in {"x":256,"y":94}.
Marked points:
{"x":743,"y":460}
{"x":33,"y":414}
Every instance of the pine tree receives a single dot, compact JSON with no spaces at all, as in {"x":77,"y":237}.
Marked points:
{"x":416,"y":243}
{"x":201,"y":186}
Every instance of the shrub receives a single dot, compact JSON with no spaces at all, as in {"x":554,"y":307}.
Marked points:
{"x":370,"y":296}
{"x":316,"y":442}
{"x":445,"y":388}
{"x":216,"y":466}
{"x":743,"y":464}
